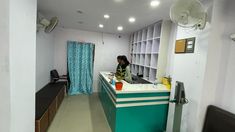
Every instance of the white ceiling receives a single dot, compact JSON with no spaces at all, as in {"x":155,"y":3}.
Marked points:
{"x":93,"y":11}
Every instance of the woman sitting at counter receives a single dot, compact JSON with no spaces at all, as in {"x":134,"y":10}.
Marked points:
{"x":126,"y":69}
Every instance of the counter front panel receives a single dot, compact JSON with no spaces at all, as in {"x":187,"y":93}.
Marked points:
{"x":134,"y":110}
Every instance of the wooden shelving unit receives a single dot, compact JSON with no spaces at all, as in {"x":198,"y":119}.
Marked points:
{"x":148,"y":50}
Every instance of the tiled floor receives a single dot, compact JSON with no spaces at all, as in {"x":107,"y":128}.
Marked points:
{"x":80,"y":113}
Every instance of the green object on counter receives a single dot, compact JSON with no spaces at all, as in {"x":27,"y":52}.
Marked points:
{"x":120,"y":73}
{"x":134,"y":112}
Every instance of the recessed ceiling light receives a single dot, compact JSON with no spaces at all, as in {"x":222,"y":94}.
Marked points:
{"x":119,"y":28}
{"x":118,"y":1}
{"x":131,"y":19}
{"x":106,"y":16}
{"x":155,"y":3}
{"x":101,"y":25}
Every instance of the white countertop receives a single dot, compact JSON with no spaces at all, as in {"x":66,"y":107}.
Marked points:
{"x":136,"y":88}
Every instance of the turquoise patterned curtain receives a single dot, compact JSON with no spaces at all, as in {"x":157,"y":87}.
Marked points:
{"x":80,"y":67}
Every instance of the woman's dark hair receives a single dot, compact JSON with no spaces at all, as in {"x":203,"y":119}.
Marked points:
{"x":126,"y":62}
{"x":119,"y":57}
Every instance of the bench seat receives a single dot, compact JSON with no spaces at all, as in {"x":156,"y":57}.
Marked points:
{"x":48,"y":100}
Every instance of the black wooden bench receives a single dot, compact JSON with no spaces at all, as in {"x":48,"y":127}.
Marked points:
{"x":48,"y":100}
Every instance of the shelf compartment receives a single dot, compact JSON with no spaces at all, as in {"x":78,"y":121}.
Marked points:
{"x":136,"y":69}
{"x":132,"y":67}
{"x":155,"y":46}
{"x":146,"y":73}
{"x":154,"y":60}
{"x":137,"y":59}
{"x":135,"y":47}
{"x":132,"y":38}
{"x":131,"y":49}
{"x":135,"y":37}
{"x":143,"y":47}
{"x":157,"y":30}
{"x":150,"y":32}
{"x":142,"y":59}
{"x":134,"y":59}
{"x":141,"y":70}
{"x":138,"y":47}
{"x":131,"y":58}
{"x":139,"y":38}
{"x":149,"y":46}
{"x":147,"y":59}
{"x":144,"y":34}
{"x":152,"y":75}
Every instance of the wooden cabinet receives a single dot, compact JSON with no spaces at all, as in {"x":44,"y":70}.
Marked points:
{"x":60,"y":97}
{"x":52,"y":110}
{"x":42,"y":124}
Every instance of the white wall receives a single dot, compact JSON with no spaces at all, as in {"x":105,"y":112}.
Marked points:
{"x":219,"y":80}
{"x":105,"y":54}
{"x":22,"y":64}
{"x":4,"y":68}
{"x":189,"y":68}
{"x":44,"y":58}
{"x":213,"y":71}
{"x":17,"y":65}
{"x":207,"y":74}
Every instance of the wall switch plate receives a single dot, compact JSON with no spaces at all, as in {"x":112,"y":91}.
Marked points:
{"x":190,"y":45}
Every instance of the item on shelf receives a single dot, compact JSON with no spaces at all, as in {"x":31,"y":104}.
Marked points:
{"x":140,"y":75}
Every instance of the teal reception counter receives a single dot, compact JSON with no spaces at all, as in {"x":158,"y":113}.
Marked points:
{"x":136,"y":108}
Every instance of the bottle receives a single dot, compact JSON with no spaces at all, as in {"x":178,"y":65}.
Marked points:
{"x":113,"y":82}
{"x":155,"y":84}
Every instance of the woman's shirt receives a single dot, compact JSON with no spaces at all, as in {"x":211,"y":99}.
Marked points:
{"x":127,"y":75}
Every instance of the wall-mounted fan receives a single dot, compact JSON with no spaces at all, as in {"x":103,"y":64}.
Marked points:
{"x":188,"y":14}
{"x":47,"y":25}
